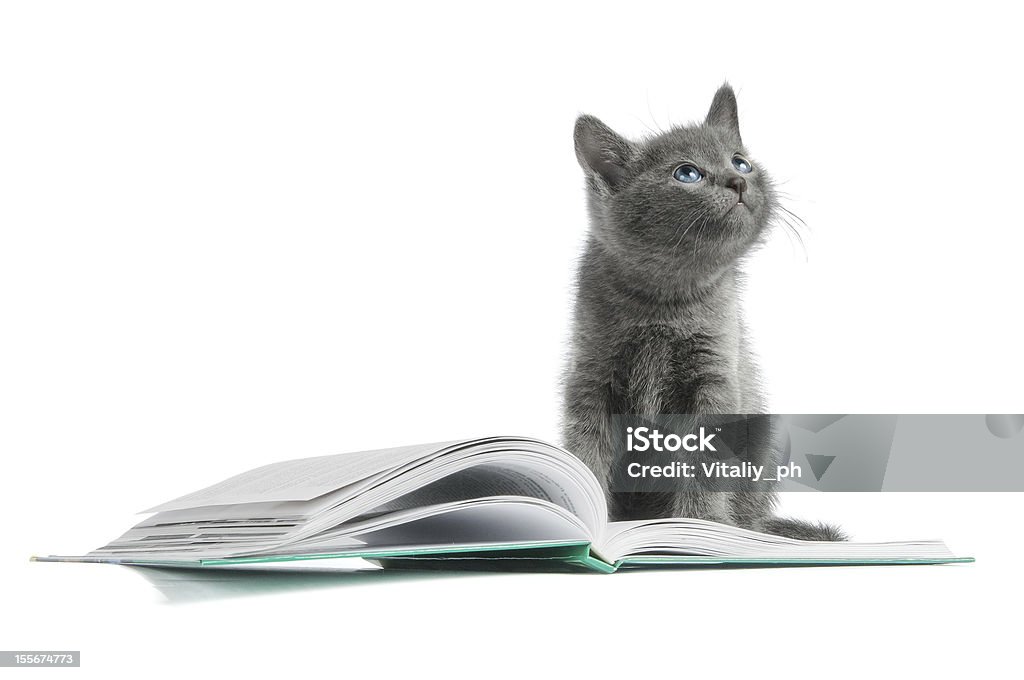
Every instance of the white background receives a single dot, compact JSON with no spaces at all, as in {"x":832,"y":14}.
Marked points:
{"x":238,"y":233}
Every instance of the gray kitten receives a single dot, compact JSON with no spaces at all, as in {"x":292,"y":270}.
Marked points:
{"x":658,"y":326}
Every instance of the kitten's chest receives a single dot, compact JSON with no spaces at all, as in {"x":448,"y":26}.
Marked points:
{"x":665,"y":369}
{"x":711,"y":334}
{"x":686,"y":346}
{"x":683,"y":347}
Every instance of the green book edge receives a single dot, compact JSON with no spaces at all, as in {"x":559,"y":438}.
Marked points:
{"x":534,"y":556}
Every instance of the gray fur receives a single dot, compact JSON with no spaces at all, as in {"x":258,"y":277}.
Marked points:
{"x":658,"y":326}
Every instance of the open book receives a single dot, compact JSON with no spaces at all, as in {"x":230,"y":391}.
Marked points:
{"x":449,"y":505}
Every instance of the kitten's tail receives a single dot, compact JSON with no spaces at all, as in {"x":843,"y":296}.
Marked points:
{"x":803,"y":531}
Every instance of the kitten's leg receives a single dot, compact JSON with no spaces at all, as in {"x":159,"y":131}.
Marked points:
{"x":587,"y":429}
{"x":659,"y":372}
{"x":637,"y":387}
{"x":754,"y":502}
{"x":589,"y":435}
{"x":751,"y":509}
{"x":698,"y":383}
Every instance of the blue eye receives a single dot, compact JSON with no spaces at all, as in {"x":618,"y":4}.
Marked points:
{"x":687,"y":173}
{"x":741,"y":164}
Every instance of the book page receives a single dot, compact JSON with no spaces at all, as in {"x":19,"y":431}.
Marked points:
{"x":497,"y":520}
{"x":302,"y":479}
{"x":494,"y":469}
{"x":480,"y":481}
{"x":664,"y":538}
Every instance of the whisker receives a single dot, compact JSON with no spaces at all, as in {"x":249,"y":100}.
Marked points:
{"x":792,"y":214}
{"x":696,"y":237}
{"x":790,"y":228}
{"x":700,"y":214}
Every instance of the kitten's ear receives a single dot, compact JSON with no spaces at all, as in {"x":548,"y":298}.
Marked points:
{"x":601,"y":151}
{"x":723,"y":111}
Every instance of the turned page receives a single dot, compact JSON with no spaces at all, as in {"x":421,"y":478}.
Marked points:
{"x":302,"y":479}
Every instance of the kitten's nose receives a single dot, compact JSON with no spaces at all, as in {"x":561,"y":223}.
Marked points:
{"x":737,"y":184}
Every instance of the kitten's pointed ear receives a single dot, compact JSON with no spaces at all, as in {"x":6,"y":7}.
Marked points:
{"x":723,"y":111}
{"x":601,"y":151}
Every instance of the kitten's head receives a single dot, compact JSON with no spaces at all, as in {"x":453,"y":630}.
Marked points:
{"x":684,"y":204}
